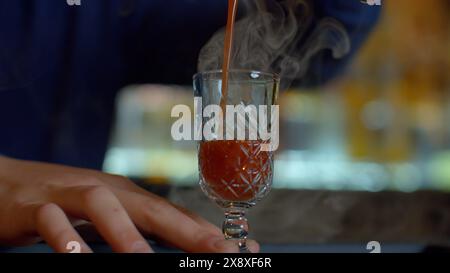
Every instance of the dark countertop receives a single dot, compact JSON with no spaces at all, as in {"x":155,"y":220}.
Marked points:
{"x":334,"y":217}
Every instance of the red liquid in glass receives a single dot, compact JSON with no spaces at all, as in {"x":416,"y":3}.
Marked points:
{"x":235,"y":170}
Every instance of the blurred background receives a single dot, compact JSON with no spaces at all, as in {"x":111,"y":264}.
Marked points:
{"x":364,"y":158}
{"x":383,"y":125}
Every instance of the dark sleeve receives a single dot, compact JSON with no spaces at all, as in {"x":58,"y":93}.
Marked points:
{"x":171,"y":34}
{"x":167,"y":46}
{"x":358,"y":20}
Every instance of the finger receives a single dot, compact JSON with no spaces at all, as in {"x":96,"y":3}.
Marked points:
{"x":253,"y":246}
{"x":103,"y":209}
{"x":122,"y":183}
{"x":55,"y":228}
{"x":155,"y":215}
{"x":128,"y":185}
{"x":200,"y":220}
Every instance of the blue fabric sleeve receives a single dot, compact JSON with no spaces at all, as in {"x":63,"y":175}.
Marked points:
{"x":358,"y":19}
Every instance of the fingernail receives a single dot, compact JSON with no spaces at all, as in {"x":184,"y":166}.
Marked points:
{"x":141,"y":247}
{"x":223,"y":245}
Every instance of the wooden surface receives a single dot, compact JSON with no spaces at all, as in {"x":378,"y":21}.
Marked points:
{"x":299,"y":217}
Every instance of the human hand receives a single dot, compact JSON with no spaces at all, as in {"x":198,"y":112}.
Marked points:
{"x":45,"y":201}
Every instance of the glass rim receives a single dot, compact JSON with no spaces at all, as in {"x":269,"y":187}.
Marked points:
{"x":274,"y":76}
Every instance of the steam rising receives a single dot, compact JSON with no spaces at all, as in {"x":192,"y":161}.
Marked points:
{"x":276,"y":36}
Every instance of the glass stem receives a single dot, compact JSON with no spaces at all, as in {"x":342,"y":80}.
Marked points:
{"x":235,"y":227}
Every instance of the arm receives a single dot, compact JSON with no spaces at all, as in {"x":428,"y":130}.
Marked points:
{"x":358,"y":20}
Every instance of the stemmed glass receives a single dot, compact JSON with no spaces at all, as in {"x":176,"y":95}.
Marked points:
{"x":236,"y":173}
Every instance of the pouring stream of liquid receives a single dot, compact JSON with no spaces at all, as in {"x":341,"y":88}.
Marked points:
{"x":228,"y":46}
